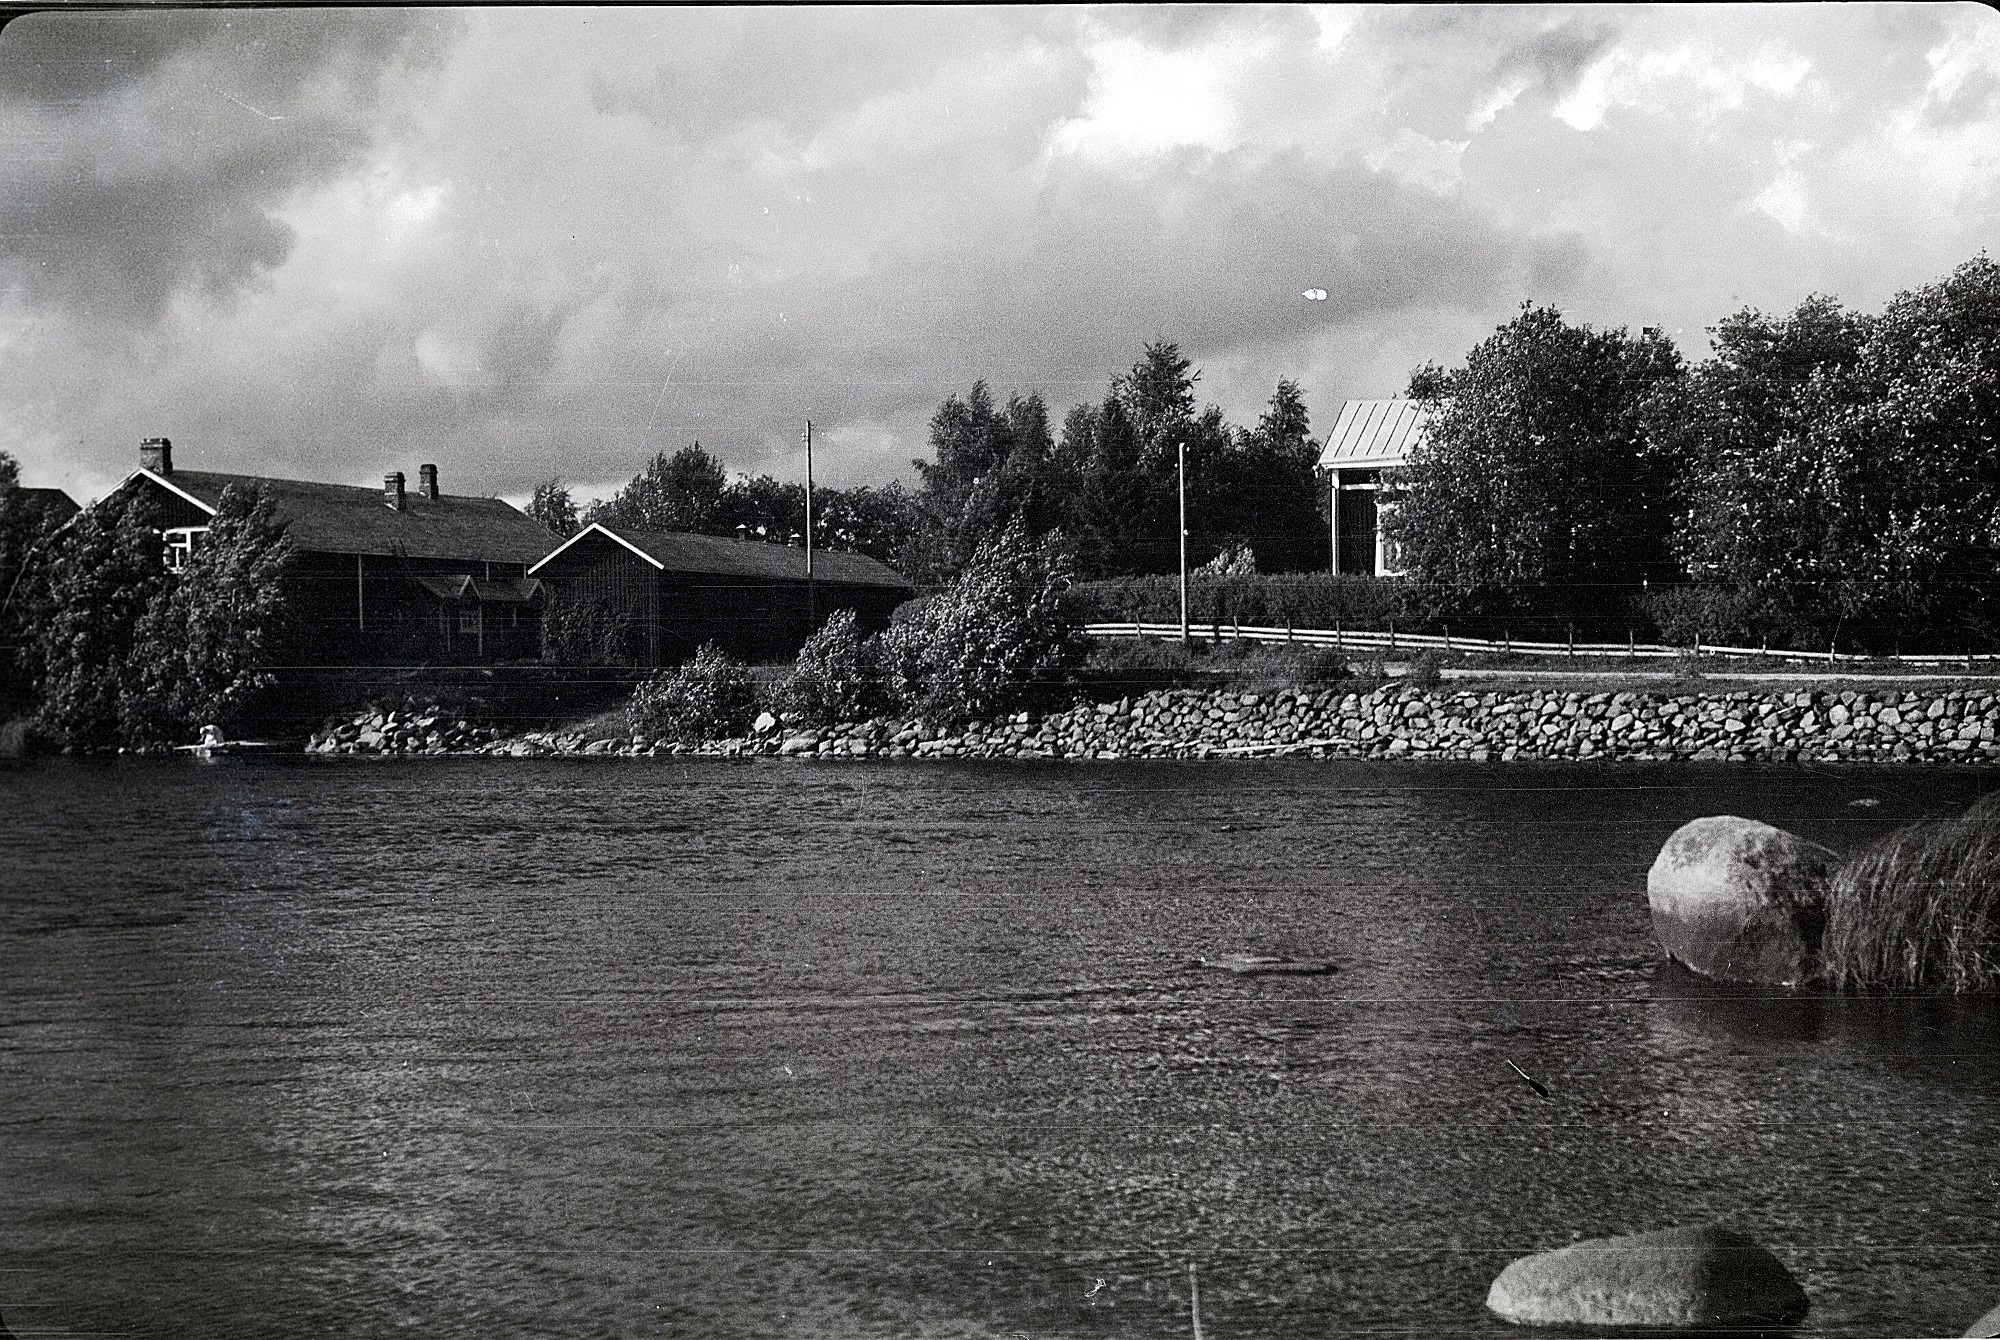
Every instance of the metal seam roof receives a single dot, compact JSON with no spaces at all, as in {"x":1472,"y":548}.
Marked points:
{"x":1374,"y":434}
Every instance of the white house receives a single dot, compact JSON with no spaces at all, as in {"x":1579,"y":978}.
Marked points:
{"x":1370,"y":436}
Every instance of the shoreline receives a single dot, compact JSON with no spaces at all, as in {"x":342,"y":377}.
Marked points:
{"x":1395,"y":720}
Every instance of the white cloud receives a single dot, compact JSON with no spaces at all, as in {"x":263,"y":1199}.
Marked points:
{"x":1681,"y":80}
{"x":1497,"y":102}
{"x":1420,"y":160}
{"x":1145,"y":101}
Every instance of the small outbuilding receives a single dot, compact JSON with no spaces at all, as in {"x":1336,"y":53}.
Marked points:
{"x":1370,"y":438}
{"x":757,"y":600}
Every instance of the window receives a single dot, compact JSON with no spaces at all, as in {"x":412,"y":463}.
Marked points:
{"x":181,"y":543}
{"x":468,"y":619}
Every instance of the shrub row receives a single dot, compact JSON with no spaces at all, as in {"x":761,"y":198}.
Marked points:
{"x":1301,"y":599}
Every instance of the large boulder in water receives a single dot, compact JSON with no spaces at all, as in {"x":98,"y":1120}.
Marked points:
{"x":1987,"y":1326}
{"x":1676,"y":1277}
{"x":1741,"y":901}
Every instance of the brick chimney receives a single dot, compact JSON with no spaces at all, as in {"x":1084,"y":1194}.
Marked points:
{"x":427,"y":481}
{"x":392,"y":489}
{"x":157,"y":454}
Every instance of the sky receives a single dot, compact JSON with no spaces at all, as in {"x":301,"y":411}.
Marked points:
{"x":534,"y":242}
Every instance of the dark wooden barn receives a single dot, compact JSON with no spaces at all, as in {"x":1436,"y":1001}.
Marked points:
{"x":675,"y":591}
{"x":389,"y":576}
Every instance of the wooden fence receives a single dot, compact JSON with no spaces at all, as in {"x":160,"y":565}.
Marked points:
{"x":1393,"y":642}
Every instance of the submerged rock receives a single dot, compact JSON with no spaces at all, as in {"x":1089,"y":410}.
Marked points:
{"x":1249,"y":964}
{"x":1741,"y":901}
{"x":1677,"y":1277}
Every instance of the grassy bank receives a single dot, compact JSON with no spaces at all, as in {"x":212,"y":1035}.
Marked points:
{"x":1920,"y":911}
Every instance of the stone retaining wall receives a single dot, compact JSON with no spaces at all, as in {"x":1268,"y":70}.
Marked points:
{"x":1954,"y":725}
{"x":1395,"y":721}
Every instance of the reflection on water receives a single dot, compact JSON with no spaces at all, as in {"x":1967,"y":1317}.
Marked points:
{"x":618,"y":1048}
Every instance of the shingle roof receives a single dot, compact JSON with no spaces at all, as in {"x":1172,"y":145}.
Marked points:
{"x":51,"y":502}
{"x":1373,"y":434}
{"x":349,"y":519}
{"x":713,"y":555}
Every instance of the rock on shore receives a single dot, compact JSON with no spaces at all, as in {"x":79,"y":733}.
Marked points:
{"x":1741,"y":901}
{"x":385,"y":731}
{"x":1676,"y":1277}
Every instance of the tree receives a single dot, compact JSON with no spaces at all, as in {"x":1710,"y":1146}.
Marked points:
{"x":1530,"y":491}
{"x":26,"y":530}
{"x":206,"y":644}
{"x":865,"y":519}
{"x":552,"y":506}
{"x":679,"y":492}
{"x":1158,"y":396}
{"x":1284,"y":430}
{"x":105,"y":573}
{"x":989,"y":467}
{"x":770,"y":507}
{"x":1837,"y":474}
{"x":1114,"y":509}
{"x":1748,"y":511}
{"x":1261,"y":488}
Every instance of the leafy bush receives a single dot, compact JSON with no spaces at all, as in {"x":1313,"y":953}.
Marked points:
{"x":1920,"y":910}
{"x":837,"y":676}
{"x":1426,"y":671}
{"x":709,"y":697}
{"x":994,"y":634}
{"x":1322,"y":668}
{"x":1115,"y":667}
{"x":1685,"y":615}
{"x":583,"y":630}
{"x":1237,"y":561}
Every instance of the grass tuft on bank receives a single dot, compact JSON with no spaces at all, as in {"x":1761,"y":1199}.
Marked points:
{"x":1920,"y":910}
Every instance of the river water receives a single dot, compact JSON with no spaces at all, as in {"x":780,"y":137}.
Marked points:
{"x":656,"y":1047}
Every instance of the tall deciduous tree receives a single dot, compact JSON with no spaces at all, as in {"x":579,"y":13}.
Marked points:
{"x":678,"y":492}
{"x":1750,"y":512}
{"x":207,"y":643}
{"x":1531,"y":491}
{"x":26,"y":531}
{"x":105,"y":572}
{"x":989,"y":468}
{"x":553,"y":507}
{"x":1839,"y":473}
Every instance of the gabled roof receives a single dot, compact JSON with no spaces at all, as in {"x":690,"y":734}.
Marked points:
{"x":1374,"y":434}
{"x":714,"y":555}
{"x":350,"y":519}
{"x":52,"y":503}
{"x":458,"y":586}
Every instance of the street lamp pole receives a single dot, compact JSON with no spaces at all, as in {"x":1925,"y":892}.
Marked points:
{"x":812,"y":590}
{"x":1182,"y":455}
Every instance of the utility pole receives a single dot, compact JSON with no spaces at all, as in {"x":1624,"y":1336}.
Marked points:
{"x":812,"y":590}
{"x":1182,"y":457}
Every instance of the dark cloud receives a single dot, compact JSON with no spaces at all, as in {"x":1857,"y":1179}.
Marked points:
{"x":147,"y":151}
